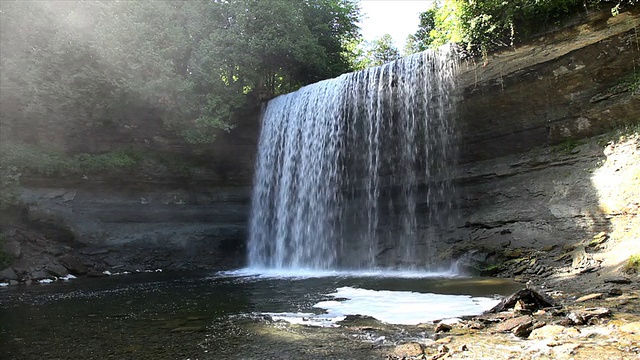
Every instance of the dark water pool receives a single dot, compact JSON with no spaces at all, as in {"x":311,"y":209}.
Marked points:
{"x":193,"y":316}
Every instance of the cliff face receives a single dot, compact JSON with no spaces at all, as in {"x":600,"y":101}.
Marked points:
{"x":186,"y":208}
{"x":521,"y":184}
{"x":573,"y":83}
{"x":524,"y":180}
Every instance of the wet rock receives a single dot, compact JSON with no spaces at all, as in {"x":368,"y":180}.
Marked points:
{"x":581,"y":317}
{"x":13,"y":282}
{"x":589,"y":297}
{"x":511,"y":324}
{"x":40,"y":275}
{"x":618,"y":280}
{"x":94,"y":273}
{"x":74,"y":265}
{"x":441,"y":327}
{"x":408,"y":350}
{"x":8,"y":274}
{"x":57,"y":270}
{"x":188,"y":329}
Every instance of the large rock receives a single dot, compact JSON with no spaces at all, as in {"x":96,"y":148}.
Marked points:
{"x":584,"y":316}
{"x":530,"y":298}
{"x":40,"y":275}
{"x":73,"y":264}
{"x":520,"y":321}
{"x":8,"y":274}
{"x":57,"y":270}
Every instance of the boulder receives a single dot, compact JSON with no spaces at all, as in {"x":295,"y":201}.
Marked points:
{"x":57,"y":270}
{"x":520,"y":321}
{"x":73,"y":264}
{"x":40,"y":275}
{"x":8,"y":274}
{"x":554,"y":332}
{"x":618,"y":280}
{"x":523,"y":329}
{"x":531,"y":298}
{"x":581,"y":317}
{"x":441,"y":327}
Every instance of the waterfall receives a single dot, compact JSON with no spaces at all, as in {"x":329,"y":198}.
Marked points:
{"x":352,"y":172}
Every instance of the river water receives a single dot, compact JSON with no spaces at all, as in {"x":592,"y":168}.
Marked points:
{"x":232,"y":315}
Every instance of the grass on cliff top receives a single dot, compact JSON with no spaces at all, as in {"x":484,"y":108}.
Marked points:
{"x":35,"y":161}
{"x":20,"y":160}
{"x":632,"y":265}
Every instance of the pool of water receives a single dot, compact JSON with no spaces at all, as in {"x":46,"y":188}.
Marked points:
{"x":225,"y":315}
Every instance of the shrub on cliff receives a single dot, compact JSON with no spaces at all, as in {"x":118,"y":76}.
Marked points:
{"x":483,"y":25}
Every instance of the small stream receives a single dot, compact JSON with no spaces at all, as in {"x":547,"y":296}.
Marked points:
{"x":225,"y":315}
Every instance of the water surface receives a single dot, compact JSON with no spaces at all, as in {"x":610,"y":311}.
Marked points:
{"x":201,"y":315}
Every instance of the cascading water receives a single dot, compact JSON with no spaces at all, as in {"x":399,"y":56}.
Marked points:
{"x":354,"y":169}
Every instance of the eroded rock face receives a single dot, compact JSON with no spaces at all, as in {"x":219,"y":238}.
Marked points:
{"x":516,"y":185}
{"x":568,"y":84}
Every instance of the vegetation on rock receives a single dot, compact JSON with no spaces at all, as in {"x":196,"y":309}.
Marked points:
{"x":483,"y":25}
{"x":632,"y":265}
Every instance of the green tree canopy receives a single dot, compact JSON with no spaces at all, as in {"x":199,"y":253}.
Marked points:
{"x":67,"y":66}
{"x":484,"y":25}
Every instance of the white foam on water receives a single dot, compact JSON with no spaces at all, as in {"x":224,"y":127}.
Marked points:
{"x":404,"y":307}
{"x":392,"y":307}
{"x":45,"y":281}
{"x":262,"y":273}
{"x":3,"y":284}
{"x":309,"y":319}
{"x":67,"y":277}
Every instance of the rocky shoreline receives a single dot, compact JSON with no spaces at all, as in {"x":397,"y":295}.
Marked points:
{"x":580,"y":325}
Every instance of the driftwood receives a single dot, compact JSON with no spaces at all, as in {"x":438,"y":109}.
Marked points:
{"x":531,"y":297}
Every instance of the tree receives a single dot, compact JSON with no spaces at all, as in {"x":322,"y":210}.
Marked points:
{"x":382,"y":50}
{"x":421,"y":40}
{"x":70,"y":66}
{"x":483,"y":25}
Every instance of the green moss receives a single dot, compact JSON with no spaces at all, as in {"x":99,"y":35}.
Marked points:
{"x":35,"y":161}
{"x":632,"y":265}
{"x":567,"y":146}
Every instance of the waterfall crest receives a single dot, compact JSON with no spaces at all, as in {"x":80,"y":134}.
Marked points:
{"x":354,"y":169}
